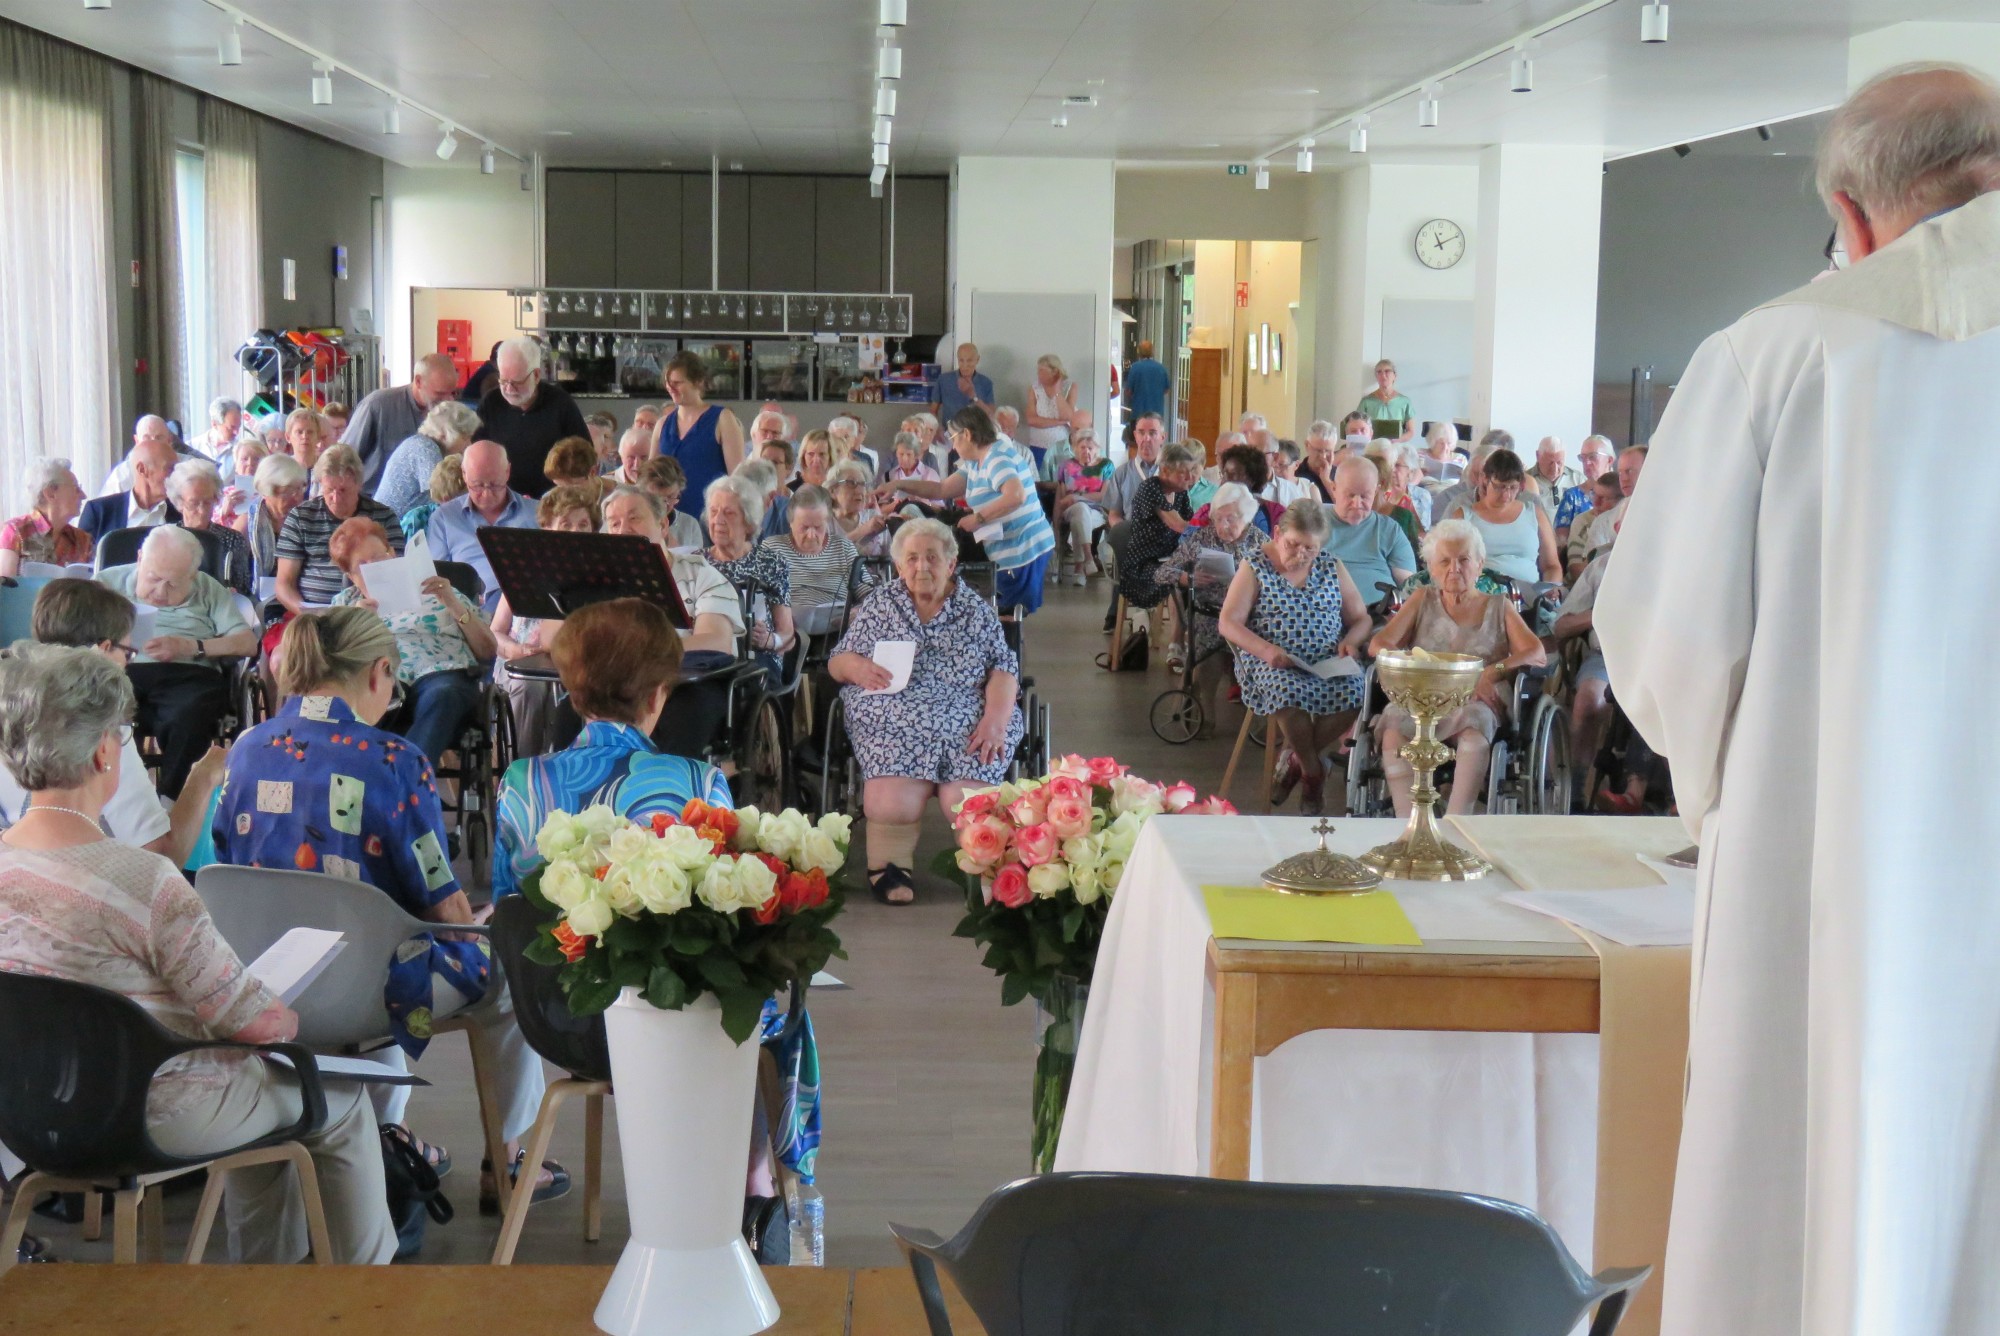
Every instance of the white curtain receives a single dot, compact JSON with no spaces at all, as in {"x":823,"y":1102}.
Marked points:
{"x":235,"y":247}
{"x":56,"y":345}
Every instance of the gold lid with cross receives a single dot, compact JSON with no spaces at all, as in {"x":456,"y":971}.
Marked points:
{"x":1321,"y":871}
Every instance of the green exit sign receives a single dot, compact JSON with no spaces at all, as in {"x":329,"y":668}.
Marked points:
{"x":1239,"y":169}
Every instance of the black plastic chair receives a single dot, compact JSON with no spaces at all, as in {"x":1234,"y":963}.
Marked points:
{"x":465,"y":578}
{"x":80,"y":1060}
{"x":121,"y":547}
{"x":1114,"y":1253}
{"x":574,"y":1043}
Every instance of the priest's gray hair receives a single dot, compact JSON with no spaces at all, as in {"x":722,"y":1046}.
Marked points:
{"x":1455,"y":535}
{"x":1914,"y":140}
{"x":56,"y":705}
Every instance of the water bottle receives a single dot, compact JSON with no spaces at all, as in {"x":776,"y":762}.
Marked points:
{"x":808,"y":1231}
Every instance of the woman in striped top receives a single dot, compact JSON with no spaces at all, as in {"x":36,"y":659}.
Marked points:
{"x":816,"y":552}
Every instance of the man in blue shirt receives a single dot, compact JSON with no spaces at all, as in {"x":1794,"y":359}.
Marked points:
{"x":1372,"y":546}
{"x":966,"y":387}
{"x":454,"y":528}
{"x":1146,"y":384}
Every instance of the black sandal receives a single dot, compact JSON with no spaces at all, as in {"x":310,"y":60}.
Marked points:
{"x":437,"y":1157}
{"x":489,"y":1191}
{"x":889,"y":880}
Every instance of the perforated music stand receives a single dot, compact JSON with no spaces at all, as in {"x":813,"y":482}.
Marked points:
{"x":548,"y":573}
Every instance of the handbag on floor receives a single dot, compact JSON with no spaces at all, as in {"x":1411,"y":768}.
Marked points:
{"x":414,"y":1194}
{"x":1133,"y":655}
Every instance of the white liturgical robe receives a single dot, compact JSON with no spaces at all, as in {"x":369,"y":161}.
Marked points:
{"x":1803,"y":615}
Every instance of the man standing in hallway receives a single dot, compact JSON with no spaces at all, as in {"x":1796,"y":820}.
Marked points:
{"x":956,"y":391}
{"x":1146,"y":386}
{"x":526,"y":414}
{"x":1821,"y":701}
{"x":388,"y":417}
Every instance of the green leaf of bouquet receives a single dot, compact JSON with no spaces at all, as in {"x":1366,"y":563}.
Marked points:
{"x":542,"y":950}
{"x":666,"y":989}
{"x":1013,"y":987}
{"x":721,"y":972}
{"x":589,"y":997}
{"x":742,"y":1008}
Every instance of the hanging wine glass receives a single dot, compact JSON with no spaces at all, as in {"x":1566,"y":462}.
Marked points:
{"x":597,"y":347}
{"x":760,"y":306}
{"x":617,"y":307}
{"x":847,"y":315}
{"x":562,"y":345}
{"x":704,"y":306}
{"x":562,"y":304}
{"x":865,"y":317}
{"x":599,"y":312}
{"x":742,"y":308}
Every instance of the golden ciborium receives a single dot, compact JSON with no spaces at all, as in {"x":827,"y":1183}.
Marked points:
{"x":1429,"y":686}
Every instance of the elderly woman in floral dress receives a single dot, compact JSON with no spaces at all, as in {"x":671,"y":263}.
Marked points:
{"x":953,"y":724}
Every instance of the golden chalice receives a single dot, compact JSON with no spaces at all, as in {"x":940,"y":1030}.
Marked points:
{"x":1429,"y":686}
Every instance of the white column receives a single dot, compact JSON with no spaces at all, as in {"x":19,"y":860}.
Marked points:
{"x":1038,"y":226}
{"x":1535,"y":304}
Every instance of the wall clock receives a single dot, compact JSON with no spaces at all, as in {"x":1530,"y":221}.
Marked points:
{"x":1440,"y":243}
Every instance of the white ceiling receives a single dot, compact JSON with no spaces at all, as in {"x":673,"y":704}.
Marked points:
{"x":787,"y":84}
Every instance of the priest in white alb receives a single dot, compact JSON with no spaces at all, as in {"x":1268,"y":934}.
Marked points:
{"x":1803,"y":615}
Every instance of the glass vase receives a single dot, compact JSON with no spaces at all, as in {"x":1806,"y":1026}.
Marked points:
{"x":1058,"y":1026}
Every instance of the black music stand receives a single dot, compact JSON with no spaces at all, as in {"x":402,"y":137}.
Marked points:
{"x":549,"y":573}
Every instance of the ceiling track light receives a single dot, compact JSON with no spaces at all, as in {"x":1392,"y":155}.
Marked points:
{"x":895,"y":13}
{"x":1428,"y":107}
{"x":880,"y":155}
{"x":1060,"y":120}
{"x":1653,"y":22}
{"x":392,"y":118}
{"x":1522,"y":79}
{"x":1764,"y":133}
{"x":1357,"y":135}
{"x":882,"y":127}
{"x":877,"y":175}
{"x":1306,"y":156}
{"x":448,"y":145}
{"x":97,"y":4}
{"x":1263,"y":174}
{"x":885,"y":101}
{"x":889,"y":62}
{"x":229,"y":51}
{"x":322,"y":84}
{"x":486,"y":160}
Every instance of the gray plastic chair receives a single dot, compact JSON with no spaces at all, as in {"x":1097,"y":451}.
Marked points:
{"x":1107,"y":1254}
{"x":342,"y":1010}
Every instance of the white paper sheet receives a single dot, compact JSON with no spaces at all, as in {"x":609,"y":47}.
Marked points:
{"x":267,"y":588}
{"x":145,"y":624}
{"x":898,"y":656}
{"x":988,"y":533}
{"x":1214,"y":568}
{"x":1338,"y":666}
{"x":823,"y":981}
{"x":295,"y":960}
{"x":43,"y":570}
{"x":1641,"y":916}
{"x":348,"y":1070}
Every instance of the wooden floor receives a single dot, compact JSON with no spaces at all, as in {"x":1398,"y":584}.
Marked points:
{"x":926,"y":1075}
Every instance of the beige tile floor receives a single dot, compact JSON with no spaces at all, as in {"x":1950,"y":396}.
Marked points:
{"x":926,"y":1075}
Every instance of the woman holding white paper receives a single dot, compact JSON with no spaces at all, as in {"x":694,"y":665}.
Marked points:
{"x":46,"y":533}
{"x":443,"y":639}
{"x":952,"y":725}
{"x":1451,"y":616}
{"x":85,"y":908}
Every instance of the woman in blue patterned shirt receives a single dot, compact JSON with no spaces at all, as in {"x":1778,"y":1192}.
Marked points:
{"x":320,"y":788}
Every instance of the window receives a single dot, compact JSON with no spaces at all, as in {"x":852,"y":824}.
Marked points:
{"x":190,"y":204}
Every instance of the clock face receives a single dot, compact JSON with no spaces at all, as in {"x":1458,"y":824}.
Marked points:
{"x":1440,"y":243}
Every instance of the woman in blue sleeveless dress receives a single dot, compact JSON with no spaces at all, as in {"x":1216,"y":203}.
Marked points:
{"x":1293,"y":605}
{"x":706,"y":439}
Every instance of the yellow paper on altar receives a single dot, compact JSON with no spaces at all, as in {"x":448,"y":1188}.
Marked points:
{"x":1258,"y":914}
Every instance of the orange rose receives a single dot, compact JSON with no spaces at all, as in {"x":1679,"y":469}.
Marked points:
{"x":662,"y":820}
{"x":569,"y":943}
{"x":802,"y":890}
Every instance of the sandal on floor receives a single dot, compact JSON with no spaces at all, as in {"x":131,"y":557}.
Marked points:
{"x":437,"y":1157}
{"x":1285,"y":776}
{"x":489,"y":1197}
{"x":884,"y":885}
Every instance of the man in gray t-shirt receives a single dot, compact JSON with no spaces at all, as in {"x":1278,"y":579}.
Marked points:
{"x":386,"y":418}
{"x":1372,"y":546}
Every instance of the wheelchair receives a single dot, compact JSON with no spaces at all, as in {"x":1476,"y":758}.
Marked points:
{"x":755,"y":739}
{"x":1529,"y":769}
{"x":1177,"y":714}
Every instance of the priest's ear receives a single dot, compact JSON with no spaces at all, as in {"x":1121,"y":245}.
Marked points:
{"x":1857,"y":234}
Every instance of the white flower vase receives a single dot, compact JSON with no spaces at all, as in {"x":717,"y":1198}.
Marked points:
{"x":685,"y":1094}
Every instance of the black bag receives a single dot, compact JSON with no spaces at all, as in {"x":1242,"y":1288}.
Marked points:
{"x":1133,"y":655}
{"x":414,"y":1194}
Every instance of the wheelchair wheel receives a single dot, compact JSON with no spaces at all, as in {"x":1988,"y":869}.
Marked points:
{"x":1548,"y":781}
{"x":1176,"y":716}
{"x":762,"y":771}
{"x":1501,"y":797}
{"x":1044,"y":738}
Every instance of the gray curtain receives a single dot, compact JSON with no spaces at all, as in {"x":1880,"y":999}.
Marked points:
{"x":235,"y":274}
{"x":160,"y":350}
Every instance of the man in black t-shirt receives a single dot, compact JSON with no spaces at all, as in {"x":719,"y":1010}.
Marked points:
{"x":527,"y":415}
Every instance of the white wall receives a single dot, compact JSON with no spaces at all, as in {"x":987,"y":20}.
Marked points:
{"x":452,"y":228}
{"x":1035,"y":225}
{"x":1536,"y":302}
{"x":1974,"y":44}
{"x":1184,"y":203}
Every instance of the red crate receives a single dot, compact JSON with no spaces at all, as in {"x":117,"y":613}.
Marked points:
{"x":454,"y":338}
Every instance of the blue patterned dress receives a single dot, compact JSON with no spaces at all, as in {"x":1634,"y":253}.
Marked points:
{"x":317,"y":790}
{"x":922,"y":731}
{"x":617,"y":765}
{"x":1307,"y":623}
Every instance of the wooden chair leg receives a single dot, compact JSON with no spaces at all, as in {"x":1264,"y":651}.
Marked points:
{"x":593,"y":1168}
{"x":1271,"y":736}
{"x":204,"y":1216}
{"x":489,"y":1110}
{"x":292,"y":1153}
{"x":125,"y":1225}
{"x":16,"y":1227}
{"x":1118,"y":616}
{"x":153,"y":1223}
{"x":317,"y":1233}
{"x":93,"y":1215}
{"x":1236,"y":754}
{"x":523,"y":1194}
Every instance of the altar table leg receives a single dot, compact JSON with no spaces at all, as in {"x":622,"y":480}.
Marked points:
{"x":1235,"y":1058}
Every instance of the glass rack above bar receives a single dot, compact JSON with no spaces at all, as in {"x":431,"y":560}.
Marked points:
{"x":614,"y":311}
